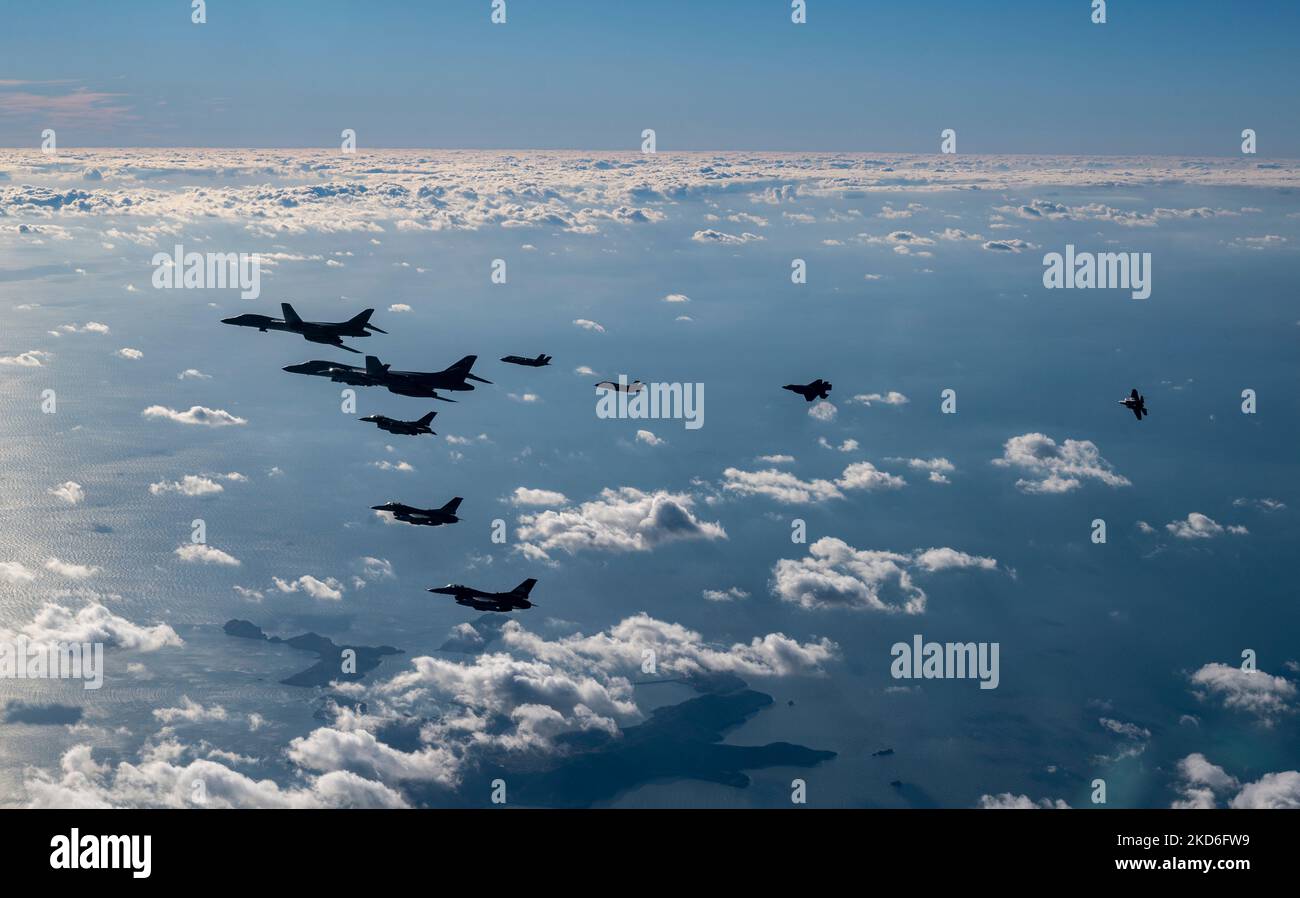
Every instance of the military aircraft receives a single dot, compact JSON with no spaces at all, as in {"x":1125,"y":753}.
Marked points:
{"x":329,"y":332}
{"x":818,"y":389}
{"x":634,"y":387}
{"x":514,"y":600}
{"x":405,"y":428}
{"x":429,"y":517}
{"x":421,"y":384}
{"x":1136,"y":404}
{"x":541,"y":361}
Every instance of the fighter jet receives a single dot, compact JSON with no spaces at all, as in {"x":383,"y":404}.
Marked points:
{"x":514,"y":600}
{"x":1136,"y":404}
{"x":328,"y":332}
{"x":818,"y":389}
{"x":541,"y":361}
{"x":634,"y":387}
{"x":405,"y":428}
{"x":421,"y":384}
{"x":429,"y":517}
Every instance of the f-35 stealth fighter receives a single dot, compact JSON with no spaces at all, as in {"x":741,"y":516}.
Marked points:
{"x":404,"y":428}
{"x":818,"y":389}
{"x":329,"y":332}
{"x":421,"y":384}
{"x":1136,"y":404}
{"x":541,"y":361}
{"x":429,"y":517}
{"x":514,"y":600}
{"x":622,"y":387}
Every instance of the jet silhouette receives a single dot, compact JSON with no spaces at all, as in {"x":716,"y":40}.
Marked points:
{"x":634,"y":387}
{"x":514,"y":600}
{"x":421,"y":384}
{"x":1136,"y":404}
{"x":542,"y":360}
{"x":329,"y":332}
{"x":405,"y":428}
{"x":818,"y":389}
{"x":429,"y":517}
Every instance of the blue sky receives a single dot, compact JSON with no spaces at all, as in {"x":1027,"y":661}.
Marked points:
{"x":1013,"y":77}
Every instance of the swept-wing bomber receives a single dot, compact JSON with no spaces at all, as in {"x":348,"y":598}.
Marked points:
{"x":329,"y":332}
{"x":421,"y":384}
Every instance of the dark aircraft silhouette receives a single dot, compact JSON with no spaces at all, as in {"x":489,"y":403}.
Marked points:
{"x":405,"y":428}
{"x":818,"y":389}
{"x":1136,"y":404}
{"x":542,"y":360}
{"x":421,"y":384}
{"x":429,"y":517}
{"x":634,"y":387}
{"x":328,"y":332}
{"x":514,"y":600}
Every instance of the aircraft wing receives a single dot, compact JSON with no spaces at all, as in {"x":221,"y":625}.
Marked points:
{"x":1138,"y":412}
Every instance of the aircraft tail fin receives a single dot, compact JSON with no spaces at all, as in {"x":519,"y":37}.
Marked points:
{"x":523,"y":589}
{"x":374,"y":366}
{"x":363,"y":319}
{"x":427,"y":419}
{"x":289,"y":314}
{"x":453,"y":505}
{"x":462,"y":368}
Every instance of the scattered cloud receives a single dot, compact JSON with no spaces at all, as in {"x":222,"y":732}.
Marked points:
{"x":1053,"y":468}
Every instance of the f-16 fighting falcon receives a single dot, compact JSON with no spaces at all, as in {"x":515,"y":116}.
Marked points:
{"x":514,"y":600}
{"x":818,"y":389}
{"x":405,"y":428}
{"x":541,"y":361}
{"x":429,"y":517}
{"x":329,"y":332}
{"x":1136,"y":404}
{"x":421,"y":384}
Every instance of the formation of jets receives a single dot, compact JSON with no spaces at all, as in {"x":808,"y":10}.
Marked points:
{"x":820,"y":389}
{"x":419,"y":384}
{"x":455,"y":378}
